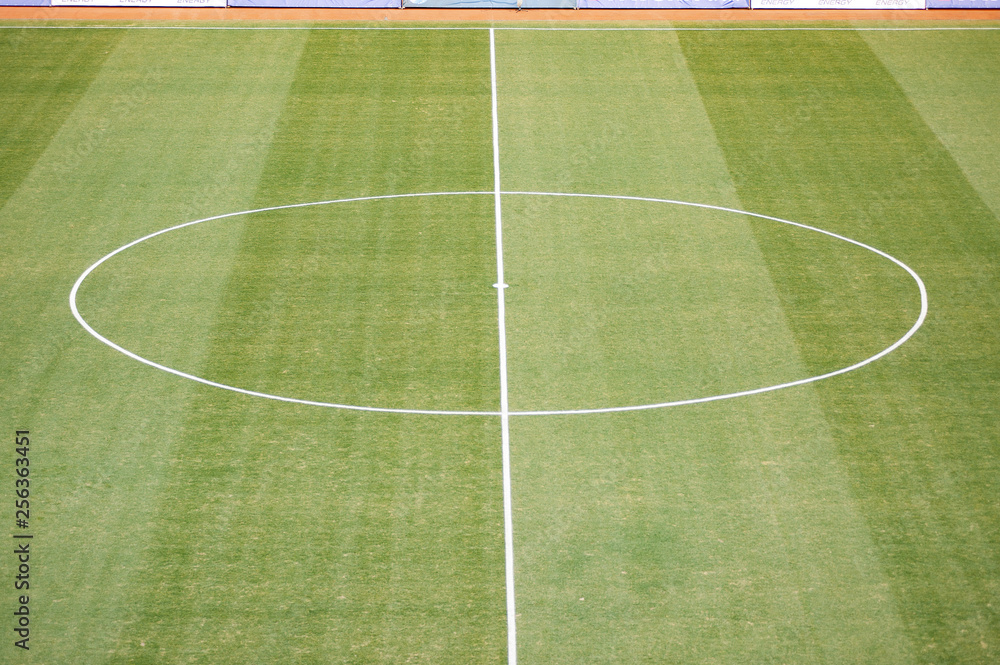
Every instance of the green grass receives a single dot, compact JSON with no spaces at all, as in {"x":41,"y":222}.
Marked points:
{"x":716,"y":533}
{"x":851,"y":520}
{"x":910,"y":197}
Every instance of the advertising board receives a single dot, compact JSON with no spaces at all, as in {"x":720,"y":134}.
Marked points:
{"x":838,"y":4}
{"x":138,"y":3}
{"x":341,"y":4}
{"x":493,"y":4}
{"x":963,"y":4}
{"x":664,"y":4}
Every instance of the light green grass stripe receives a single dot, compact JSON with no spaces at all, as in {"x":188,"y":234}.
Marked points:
{"x":815,"y":127}
{"x":713,"y":533}
{"x":292,"y":534}
{"x":173,"y":124}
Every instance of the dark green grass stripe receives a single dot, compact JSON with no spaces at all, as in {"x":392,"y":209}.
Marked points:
{"x":373,"y":113}
{"x":814,"y":129}
{"x":403,"y":287}
{"x":43,"y":74}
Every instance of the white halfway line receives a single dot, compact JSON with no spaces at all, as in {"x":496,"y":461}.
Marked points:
{"x":501,"y":285}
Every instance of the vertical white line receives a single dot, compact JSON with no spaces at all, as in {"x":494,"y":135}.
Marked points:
{"x":508,"y":518}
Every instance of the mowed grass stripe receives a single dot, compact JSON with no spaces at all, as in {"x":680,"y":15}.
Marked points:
{"x":377,"y":113}
{"x":296,"y":534}
{"x":815,"y":128}
{"x":42,"y":78}
{"x":716,"y":533}
{"x":139,"y":151}
{"x":391,"y":300}
{"x":958,"y":106}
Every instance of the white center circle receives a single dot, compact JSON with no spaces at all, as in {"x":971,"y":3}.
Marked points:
{"x":695,"y":400}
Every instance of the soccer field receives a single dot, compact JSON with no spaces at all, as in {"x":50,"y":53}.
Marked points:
{"x":496,"y":344}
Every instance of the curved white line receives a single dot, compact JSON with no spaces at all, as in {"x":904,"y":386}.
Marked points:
{"x":254,"y":393}
{"x":756,"y":391}
{"x":555,"y":412}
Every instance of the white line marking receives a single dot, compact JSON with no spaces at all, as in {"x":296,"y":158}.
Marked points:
{"x":748,"y":29}
{"x":660,"y":405}
{"x":508,"y":510}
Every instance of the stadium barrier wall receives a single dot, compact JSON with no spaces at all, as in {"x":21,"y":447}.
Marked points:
{"x":338,"y":4}
{"x":138,"y":3}
{"x":664,"y":4}
{"x":492,"y":4}
{"x":963,"y":4}
{"x":25,"y":3}
{"x":838,"y":4}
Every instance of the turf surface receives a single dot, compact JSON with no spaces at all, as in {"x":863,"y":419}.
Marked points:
{"x":852,"y":520}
